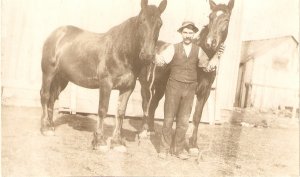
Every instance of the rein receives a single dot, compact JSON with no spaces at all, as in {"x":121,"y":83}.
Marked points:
{"x":153,"y":68}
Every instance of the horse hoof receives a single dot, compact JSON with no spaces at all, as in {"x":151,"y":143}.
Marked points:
{"x":121,"y":148}
{"x":102,"y":148}
{"x":48,"y":132}
{"x":194,"y":151}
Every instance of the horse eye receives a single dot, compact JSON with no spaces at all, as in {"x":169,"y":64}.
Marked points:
{"x":142,"y":20}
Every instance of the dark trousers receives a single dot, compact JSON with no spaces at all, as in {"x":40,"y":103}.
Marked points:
{"x":179,"y":98}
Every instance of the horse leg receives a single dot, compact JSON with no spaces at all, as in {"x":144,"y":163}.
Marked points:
{"x":148,"y":122}
{"x":45,"y":97}
{"x":48,"y":98}
{"x":159,"y":93}
{"x":201,"y":100}
{"x":202,"y":96}
{"x":117,"y":140}
{"x":145,"y":92}
{"x":99,"y":140}
{"x":58,"y":85}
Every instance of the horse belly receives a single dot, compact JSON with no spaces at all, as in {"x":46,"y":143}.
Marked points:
{"x":79,"y":64}
{"x":80,"y":79}
{"x":81,"y":74}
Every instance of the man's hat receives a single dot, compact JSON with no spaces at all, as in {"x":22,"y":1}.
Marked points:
{"x":188,"y":24}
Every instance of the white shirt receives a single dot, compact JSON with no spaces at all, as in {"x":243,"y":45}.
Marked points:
{"x":187,"y":49}
{"x":167,"y":55}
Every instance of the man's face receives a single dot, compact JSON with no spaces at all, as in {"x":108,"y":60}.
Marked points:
{"x":187,"y":35}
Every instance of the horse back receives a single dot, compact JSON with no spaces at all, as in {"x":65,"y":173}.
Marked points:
{"x":73,"y":52}
{"x":57,"y":36}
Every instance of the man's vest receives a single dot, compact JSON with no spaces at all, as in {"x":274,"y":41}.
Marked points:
{"x":183,"y":68}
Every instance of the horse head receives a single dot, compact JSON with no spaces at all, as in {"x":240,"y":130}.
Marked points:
{"x":149,"y":24}
{"x":218,"y":24}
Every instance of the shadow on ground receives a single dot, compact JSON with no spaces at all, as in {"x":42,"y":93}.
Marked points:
{"x":86,"y":123}
{"x":154,"y":138}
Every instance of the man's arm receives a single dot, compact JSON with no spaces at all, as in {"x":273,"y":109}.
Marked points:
{"x":165,"y":56}
{"x":213,"y":62}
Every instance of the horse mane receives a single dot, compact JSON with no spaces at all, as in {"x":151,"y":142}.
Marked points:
{"x":123,"y":36}
{"x":129,"y":25}
{"x":123,"y":26}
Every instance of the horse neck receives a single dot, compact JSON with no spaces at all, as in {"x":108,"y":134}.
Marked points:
{"x":126,"y":37}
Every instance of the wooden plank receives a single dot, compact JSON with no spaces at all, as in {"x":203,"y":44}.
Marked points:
{"x":230,"y":60}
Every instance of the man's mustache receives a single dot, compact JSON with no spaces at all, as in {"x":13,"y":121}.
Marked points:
{"x":188,"y":38}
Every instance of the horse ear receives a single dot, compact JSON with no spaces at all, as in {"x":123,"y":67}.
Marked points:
{"x":144,"y":3}
{"x":162,"y":6}
{"x":230,"y":4}
{"x":212,"y":4}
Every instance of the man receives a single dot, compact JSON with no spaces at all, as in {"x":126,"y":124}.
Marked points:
{"x":183,"y":59}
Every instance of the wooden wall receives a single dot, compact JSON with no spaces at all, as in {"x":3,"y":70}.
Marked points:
{"x":27,"y":23}
{"x":273,"y":73}
{"x":25,"y":26}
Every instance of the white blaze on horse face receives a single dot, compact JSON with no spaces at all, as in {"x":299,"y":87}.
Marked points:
{"x":220,"y":12}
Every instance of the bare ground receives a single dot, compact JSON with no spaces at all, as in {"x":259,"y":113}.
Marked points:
{"x":266,"y":145}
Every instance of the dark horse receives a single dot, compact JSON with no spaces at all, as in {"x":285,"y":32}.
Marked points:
{"x":107,"y":61}
{"x":154,"y":85}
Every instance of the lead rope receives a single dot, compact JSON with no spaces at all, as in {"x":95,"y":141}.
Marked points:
{"x":151,"y":85}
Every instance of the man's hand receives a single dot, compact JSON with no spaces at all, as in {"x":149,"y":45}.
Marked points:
{"x":159,"y":61}
{"x":212,"y":64}
{"x":221,"y":50}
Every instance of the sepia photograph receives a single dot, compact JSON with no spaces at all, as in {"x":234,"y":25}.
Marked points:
{"x":150,"y":88}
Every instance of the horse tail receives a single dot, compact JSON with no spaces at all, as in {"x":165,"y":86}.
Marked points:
{"x":51,"y":48}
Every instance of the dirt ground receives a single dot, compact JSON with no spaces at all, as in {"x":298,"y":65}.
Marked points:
{"x":248,"y":143}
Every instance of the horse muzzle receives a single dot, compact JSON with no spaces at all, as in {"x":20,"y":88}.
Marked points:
{"x":211,"y":43}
